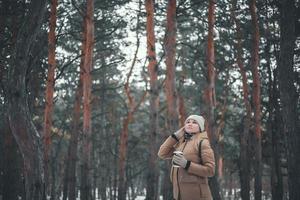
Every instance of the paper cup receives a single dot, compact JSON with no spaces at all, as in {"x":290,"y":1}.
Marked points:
{"x":177,"y":153}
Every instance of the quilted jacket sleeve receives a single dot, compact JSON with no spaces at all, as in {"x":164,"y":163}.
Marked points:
{"x":207,"y":168}
{"x":167,"y":148}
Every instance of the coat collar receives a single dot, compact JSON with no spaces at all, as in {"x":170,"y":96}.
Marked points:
{"x":202,"y":135}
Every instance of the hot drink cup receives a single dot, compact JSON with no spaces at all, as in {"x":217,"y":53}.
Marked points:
{"x":177,"y":153}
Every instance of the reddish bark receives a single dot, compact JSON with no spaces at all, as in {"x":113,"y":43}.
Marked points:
{"x":170,"y":49}
{"x":182,"y":110}
{"x":181,"y":104}
{"x":170,"y":86}
{"x":244,"y":139}
{"x":75,"y":132}
{"x":49,"y":89}
{"x":87,"y":88}
{"x":152,"y":178}
{"x":122,"y":157}
{"x":256,"y":98}
{"x":220,"y":166}
{"x":209,"y":93}
{"x":210,"y":96}
{"x":69,"y":187}
{"x":210,"y":57}
{"x":124,"y":143}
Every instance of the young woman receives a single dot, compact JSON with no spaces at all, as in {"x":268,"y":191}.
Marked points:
{"x":192,"y":160}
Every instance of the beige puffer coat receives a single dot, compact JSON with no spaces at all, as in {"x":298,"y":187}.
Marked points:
{"x":191,"y":184}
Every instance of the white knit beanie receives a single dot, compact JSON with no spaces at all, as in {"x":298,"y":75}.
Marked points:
{"x":199,"y":119}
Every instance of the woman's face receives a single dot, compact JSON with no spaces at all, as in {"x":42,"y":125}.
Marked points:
{"x":191,"y":126}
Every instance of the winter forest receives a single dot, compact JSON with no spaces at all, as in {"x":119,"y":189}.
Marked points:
{"x":89,"y":90}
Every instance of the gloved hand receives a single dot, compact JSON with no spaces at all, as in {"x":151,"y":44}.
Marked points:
{"x":179,"y":134}
{"x":180,"y":160}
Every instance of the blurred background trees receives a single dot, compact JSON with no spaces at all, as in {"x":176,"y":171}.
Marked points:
{"x":150,"y":66}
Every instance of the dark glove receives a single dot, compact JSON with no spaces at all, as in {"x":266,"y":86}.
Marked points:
{"x":178,"y":134}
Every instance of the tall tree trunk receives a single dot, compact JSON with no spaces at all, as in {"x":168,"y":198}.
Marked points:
{"x":170,"y":88}
{"x":244,"y":138}
{"x":181,"y":104}
{"x":21,"y":124}
{"x":122,"y":159}
{"x":170,"y":49}
{"x":152,"y":178}
{"x":275,"y":129}
{"x":256,"y":99}
{"x":220,"y":127}
{"x":87,"y":88}
{"x":181,"y":110}
{"x":288,"y":94}
{"x":27,"y":138}
{"x":72,"y":156}
{"x":11,"y":166}
{"x":11,"y":161}
{"x":69,"y":187}
{"x":65,"y":186}
{"x":114,"y":178}
{"x":49,"y":91}
{"x":274,"y":123}
{"x":56,"y":170}
{"x":133,"y":106}
{"x":104,"y":172}
{"x":3,"y":9}
{"x":210,"y":97}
